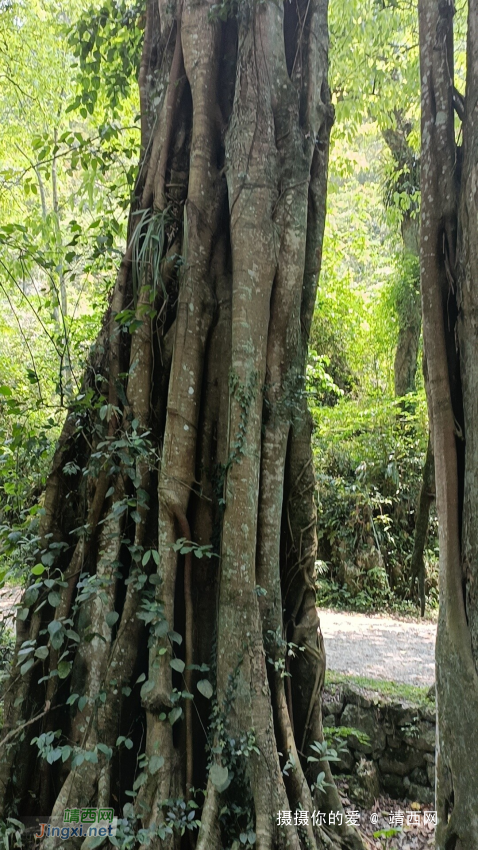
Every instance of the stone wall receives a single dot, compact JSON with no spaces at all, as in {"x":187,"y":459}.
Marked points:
{"x":399,"y":755}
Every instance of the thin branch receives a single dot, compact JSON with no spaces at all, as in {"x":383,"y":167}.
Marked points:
{"x":14,"y":732}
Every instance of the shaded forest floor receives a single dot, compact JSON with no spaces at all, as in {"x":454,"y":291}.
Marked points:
{"x":382,"y":829}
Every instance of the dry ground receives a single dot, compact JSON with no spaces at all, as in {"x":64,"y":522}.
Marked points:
{"x":379,"y":647}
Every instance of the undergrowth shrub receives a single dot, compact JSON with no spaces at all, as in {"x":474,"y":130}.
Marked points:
{"x":369,"y":457}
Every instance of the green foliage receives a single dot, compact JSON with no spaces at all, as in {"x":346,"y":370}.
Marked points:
{"x":338,"y":734}
{"x":320,"y":386}
{"x":387,"y":833}
{"x":401,"y":296}
{"x":184,"y":546}
{"x":402,"y":186}
{"x":397,"y":691}
{"x":350,"y":328}
{"x":11,"y":833}
{"x":26,"y":447}
{"x":107,"y":45}
{"x":178,"y":816}
{"x":224,"y":10}
{"x":285,"y":650}
{"x":321,"y":751}
{"x":66,"y":173}
{"x":147,"y":252}
{"x":374,"y":61}
{"x":369,"y":459}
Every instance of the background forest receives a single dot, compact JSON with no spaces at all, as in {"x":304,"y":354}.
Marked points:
{"x":68,"y":153}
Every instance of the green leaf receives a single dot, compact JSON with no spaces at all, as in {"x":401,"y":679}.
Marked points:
{"x":154,"y":579}
{"x":48,"y":559}
{"x":386,"y":833}
{"x":65,"y":752}
{"x":155,"y":764}
{"x":175,"y":637}
{"x":54,"y":599}
{"x":140,"y":781}
{"x":146,"y":688}
{"x":64,"y":668}
{"x":112,"y":617}
{"x":25,"y":667}
{"x":175,"y":714}
{"x":219,"y":776}
{"x":57,"y":635}
{"x":107,"y":751}
{"x":38,"y":569}
{"x":42,"y":652}
{"x":205,"y":688}
{"x":177,"y":664}
{"x":54,"y":754}
{"x":31,"y":595}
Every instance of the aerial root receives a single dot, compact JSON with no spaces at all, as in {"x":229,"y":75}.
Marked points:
{"x":209,"y":834}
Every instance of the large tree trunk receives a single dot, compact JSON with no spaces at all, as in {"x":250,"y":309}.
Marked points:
{"x":449,"y":275}
{"x":200,"y":363}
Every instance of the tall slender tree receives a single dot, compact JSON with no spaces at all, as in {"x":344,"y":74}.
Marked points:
{"x":408,"y":301}
{"x":145,"y":669}
{"x":449,"y":276}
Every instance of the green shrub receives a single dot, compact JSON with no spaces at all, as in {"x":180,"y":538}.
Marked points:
{"x":369,"y":457}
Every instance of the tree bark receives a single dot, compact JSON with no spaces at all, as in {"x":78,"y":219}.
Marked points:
{"x":425,"y":500}
{"x":448,"y":248}
{"x":408,"y":306}
{"x":196,"y":430}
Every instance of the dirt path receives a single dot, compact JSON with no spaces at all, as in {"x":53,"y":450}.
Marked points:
{"x":379,"y":647}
